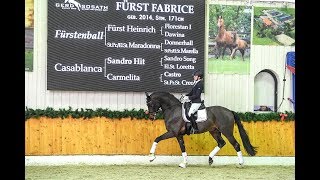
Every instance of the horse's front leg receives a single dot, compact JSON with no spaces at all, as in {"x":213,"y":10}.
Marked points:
{"x":183,"y":150}
{"x":218,"y":51}
{"x":164,"y":136}
{"x":223,"y":51}
{"x":233,"y":53}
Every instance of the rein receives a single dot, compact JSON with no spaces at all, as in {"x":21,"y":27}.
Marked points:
{"x":166,"y":108}
{"x":172,"y":106}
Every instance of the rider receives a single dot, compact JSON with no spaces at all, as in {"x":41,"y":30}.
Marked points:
{"x":195,"y":97}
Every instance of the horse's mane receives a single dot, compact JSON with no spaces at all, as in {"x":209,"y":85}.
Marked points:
{"x":165,"y":96}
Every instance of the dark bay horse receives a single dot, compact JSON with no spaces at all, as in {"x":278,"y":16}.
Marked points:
{"x":219,"y":120}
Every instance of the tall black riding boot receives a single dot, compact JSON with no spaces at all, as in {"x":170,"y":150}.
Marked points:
{"x":193,"y":124}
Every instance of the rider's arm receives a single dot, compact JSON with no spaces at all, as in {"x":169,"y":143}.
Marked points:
{"x":198,"y":90}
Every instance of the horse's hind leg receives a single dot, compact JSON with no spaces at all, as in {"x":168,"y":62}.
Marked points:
{"x":242,"y":53}
{"x":164,"y":136}
{"x":235,"y":145}
{"x":216,"y":134}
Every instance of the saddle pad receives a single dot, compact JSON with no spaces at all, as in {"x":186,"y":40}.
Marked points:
{"x":202,"y":115}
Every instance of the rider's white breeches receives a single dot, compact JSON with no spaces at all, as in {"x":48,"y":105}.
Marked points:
{"x":194,"y":107}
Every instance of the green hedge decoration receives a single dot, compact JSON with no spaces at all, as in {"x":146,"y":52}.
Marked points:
{"x":138,"y":114}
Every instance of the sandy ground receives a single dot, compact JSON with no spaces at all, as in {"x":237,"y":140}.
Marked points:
{"x":165,"y":172}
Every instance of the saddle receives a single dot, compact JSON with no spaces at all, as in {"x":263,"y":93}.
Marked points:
{"x":200,"y":115}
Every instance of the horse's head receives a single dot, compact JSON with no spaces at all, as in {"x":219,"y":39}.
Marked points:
{"x":153,"y":107}
{"x":220,"y":22}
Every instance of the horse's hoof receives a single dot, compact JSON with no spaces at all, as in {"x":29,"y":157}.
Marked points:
{"x":151,"y":157}
{"x":210,"y":161}
{"x":240,"y":165}
{"x":183,"y":165}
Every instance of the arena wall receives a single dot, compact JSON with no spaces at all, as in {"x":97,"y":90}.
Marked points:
{"x":102,"y":136}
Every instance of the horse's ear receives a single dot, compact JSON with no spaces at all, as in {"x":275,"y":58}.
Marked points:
{"x":147,"y":94}
{"x":148,"y":97}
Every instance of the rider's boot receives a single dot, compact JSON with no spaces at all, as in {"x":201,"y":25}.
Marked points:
{"x":194,"y":129}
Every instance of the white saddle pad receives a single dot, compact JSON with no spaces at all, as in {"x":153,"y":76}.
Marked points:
{"x":202,"y":115}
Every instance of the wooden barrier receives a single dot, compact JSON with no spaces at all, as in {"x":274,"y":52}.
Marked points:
{"x":102,"y":136}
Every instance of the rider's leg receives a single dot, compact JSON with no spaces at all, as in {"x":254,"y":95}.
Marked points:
{"x":193,"y":123}
{"x":194,"y":107}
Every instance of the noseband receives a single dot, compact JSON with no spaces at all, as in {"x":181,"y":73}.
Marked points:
{"x":153,"y":113}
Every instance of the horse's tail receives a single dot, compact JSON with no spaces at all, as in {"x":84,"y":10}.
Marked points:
{"x":244,"y":136}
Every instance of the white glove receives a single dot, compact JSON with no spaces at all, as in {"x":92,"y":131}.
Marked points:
{"x":186,"y":98}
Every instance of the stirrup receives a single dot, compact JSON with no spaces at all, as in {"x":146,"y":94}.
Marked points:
{"x":193,"y":131}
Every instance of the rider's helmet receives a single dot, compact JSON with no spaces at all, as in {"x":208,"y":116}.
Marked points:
{"x":198,"y":73}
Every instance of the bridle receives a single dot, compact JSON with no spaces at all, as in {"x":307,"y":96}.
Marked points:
{"x":154,"y":113}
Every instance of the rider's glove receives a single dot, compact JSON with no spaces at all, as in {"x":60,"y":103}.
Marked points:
{"x":186,"y":98}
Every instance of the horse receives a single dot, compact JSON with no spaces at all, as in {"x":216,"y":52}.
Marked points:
{"x":224,"y":39}
{"x":220,"y":120}
{"x":73,"y":2}
{"x":229,"y":39}
{"x":240,"y":45}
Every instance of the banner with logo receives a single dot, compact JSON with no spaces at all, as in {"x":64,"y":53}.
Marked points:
{"x":229,"y":39}
{"x":124,"y":45}
{"x":29,"y":21}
